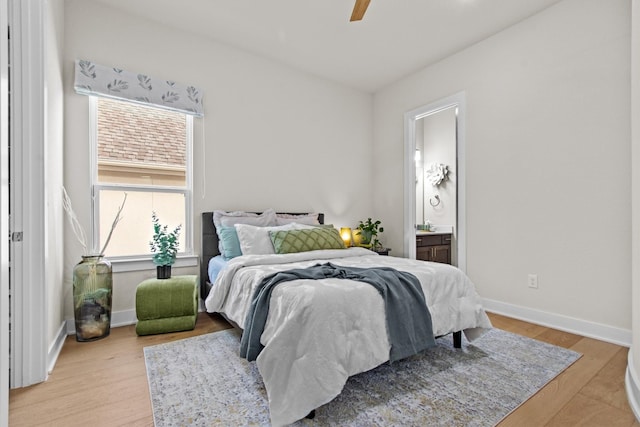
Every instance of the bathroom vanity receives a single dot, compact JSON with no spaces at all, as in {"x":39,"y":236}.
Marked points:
{"x":433,"y":246}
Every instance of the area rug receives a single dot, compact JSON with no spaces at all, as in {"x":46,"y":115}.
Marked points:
{"x":201,"y":381}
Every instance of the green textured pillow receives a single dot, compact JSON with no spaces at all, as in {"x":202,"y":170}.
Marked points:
{"x":291,"y":241}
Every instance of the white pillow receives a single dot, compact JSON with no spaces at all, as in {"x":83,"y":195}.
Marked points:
{"x":229,"y":219}
{"x":256,"y":240}
{"x":309,"y":219}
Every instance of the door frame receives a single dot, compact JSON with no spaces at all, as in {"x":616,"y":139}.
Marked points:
{"x":410,"y":118}
{"x":4,"y":214}
{"x":29,"y":291}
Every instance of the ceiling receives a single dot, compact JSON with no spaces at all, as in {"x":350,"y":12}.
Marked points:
{"x":395,"y":38}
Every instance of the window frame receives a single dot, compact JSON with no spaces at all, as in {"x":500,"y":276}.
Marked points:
{"x":139,"y":261}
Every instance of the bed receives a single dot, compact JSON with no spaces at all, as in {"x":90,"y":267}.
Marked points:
{"x":320,"y":332}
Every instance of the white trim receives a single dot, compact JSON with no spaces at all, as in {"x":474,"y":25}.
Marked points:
{"x":632,"y":386}
{"x":410,"y":118}
{"x":461,"y":190}
{"x":141,"y":264}
{"x":188,"y":195}
{"x":29,"y":293}
{"x":632,"y":381}
{"x":93,"y":171}
{"x":409,"y":238}
{"x":123,"y":318}
{"x":585,"y":328}
{"x":4,"y":215}
{"x":17,"y":191}
{"x":96,"y":187}
{"x":118,"y":319}
{"x":588,"y":329}
{"x":56,"y":347}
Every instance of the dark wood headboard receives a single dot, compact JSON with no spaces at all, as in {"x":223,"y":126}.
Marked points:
{"x":210,"y":248}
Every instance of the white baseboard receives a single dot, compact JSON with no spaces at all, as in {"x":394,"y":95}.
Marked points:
{"x":632,"y":386}
{"x":598,"y":331}
{"x":118,"y":318}
{"x":123,"y":318}
{"x":56,"y":347}
{"x":585,"y":328}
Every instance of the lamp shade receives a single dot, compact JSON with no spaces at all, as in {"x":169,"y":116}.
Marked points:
{"x":345,"y":233}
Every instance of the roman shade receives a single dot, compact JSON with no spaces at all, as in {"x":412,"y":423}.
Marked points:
{"x":100,"y":80}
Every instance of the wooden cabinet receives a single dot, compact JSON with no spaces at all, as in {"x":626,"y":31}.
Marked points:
{"x":436,"y":248}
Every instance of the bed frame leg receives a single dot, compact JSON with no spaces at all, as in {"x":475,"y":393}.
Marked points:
{"x":311,"y":415}
{"x":457,"y":339}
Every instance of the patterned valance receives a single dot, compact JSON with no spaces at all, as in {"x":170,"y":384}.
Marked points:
{"x":98,"y":80}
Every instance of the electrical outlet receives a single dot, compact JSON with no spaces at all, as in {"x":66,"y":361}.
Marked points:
{"x":533,"y":281}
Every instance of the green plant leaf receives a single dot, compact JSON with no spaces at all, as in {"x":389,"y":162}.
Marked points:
{"x":164,"y":244}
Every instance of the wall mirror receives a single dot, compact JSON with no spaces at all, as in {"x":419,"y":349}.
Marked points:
{"x":434,"y":174}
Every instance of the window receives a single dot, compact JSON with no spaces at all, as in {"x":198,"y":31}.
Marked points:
{"x":144,"y":152}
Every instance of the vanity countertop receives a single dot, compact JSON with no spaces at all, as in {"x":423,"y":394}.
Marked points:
{"x":439,"y":229}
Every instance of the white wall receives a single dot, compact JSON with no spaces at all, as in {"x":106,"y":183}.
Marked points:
{"x":54,"y":238}
{"x":274,"y":136}
{"x":547,"y":155}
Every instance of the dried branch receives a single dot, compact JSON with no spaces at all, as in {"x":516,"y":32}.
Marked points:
{"x":77,"y":228}
{"x":73,"y":220}
{"x":116,"y":220}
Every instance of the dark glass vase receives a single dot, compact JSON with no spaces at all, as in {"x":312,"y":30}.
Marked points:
{"x":163,"y":271}
{"x":92,"y":288}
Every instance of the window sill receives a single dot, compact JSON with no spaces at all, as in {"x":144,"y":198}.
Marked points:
{"x":139,"y":264}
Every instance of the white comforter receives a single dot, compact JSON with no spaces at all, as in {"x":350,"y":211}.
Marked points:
{"x":320,"y":332}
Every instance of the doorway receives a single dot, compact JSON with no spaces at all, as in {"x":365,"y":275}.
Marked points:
{"x":434,"y":140}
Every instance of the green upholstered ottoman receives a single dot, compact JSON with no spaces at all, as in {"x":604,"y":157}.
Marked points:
{"x":167,"y":305}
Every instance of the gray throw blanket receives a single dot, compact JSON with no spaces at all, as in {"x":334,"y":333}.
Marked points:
{"x":408,"y":318}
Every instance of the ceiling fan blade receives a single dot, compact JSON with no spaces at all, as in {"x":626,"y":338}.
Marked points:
{"x":359,"y":9}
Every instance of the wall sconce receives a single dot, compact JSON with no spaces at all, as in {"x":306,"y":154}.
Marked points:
{"x":345,"y":233}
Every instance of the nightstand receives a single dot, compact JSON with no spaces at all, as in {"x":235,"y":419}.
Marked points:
{"x":167,"y":305}
{"x":383,"y":251}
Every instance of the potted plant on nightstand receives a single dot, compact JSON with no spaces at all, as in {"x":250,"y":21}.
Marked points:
{"x":368,"y":234}
{"x":164,"y":246}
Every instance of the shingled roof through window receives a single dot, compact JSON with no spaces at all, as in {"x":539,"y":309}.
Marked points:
{"x":132,"y":133}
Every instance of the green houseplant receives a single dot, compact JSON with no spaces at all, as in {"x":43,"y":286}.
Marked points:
{"x":368,"y":233}
{"x":164,"y":246}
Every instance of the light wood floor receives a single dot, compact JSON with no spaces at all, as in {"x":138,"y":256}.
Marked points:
{"x":104,"y":383}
